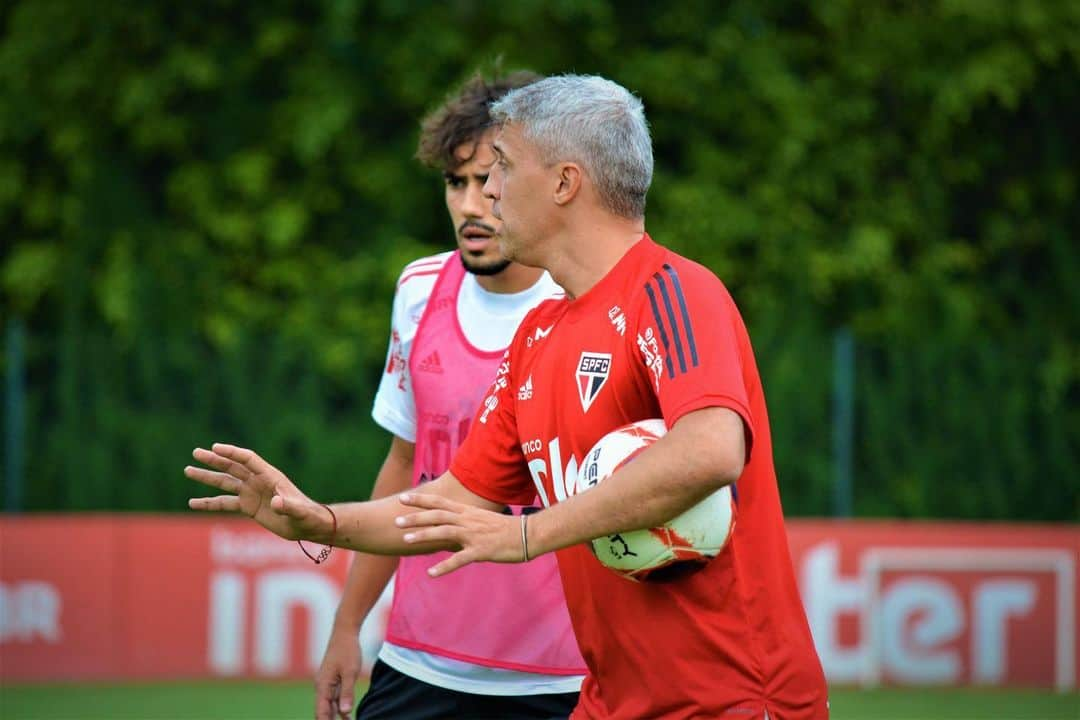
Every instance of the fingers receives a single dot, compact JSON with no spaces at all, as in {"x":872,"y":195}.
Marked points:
{"x":442,"y":534}
{"x":221,"y":462}
{"x":242,"y":456}
{"x":334,"y":695}
{"x":452,"y":563}
{"x":348,"y":689}
{"x":221,"y":503}
{"x":221,"y":481}
{"x":431,"y":502}
{"x":324,"y":707}
{"x":326,"y":692}
{"x":291,"y":507}
{"x":427,"y":518}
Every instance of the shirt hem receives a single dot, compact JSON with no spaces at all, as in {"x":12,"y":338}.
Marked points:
{"x":501,"y":665}
{"x":510,"y":683}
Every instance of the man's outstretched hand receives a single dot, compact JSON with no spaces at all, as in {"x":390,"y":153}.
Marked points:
{"x":477,"y":534}
{"x":260,"y":491}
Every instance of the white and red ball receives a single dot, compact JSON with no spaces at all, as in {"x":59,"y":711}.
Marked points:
{"x":678,"y":547}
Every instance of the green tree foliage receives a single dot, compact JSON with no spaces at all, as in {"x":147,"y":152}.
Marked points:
{"x":205,"y":205}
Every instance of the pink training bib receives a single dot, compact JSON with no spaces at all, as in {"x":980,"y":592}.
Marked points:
{"x":503,"y":616}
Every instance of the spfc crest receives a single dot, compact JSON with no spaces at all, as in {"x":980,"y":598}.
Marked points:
{"x":592,"y":372}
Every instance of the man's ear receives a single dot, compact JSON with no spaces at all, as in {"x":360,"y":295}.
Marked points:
{"x":569,"y":183}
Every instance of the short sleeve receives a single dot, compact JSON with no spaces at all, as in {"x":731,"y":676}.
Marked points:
{"x":394,"y":408}
{"x":490,"y":462}
{"x":691,"y":344}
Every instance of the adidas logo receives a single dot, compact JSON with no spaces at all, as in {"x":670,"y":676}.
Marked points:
{"x":525,"y":392}
{"x":431,"y":363}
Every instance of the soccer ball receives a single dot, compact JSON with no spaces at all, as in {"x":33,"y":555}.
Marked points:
{"x":681,"y":546}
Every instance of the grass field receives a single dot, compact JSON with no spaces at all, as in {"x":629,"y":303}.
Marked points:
{"x":289,"y":701}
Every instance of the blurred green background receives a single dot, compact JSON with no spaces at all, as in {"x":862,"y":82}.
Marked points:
{"x":204,"y":206}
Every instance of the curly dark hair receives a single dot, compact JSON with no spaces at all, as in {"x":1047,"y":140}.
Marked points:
{"x":463,"y":117}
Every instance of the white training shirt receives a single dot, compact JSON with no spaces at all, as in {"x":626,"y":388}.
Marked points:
{"x":489,"y":321}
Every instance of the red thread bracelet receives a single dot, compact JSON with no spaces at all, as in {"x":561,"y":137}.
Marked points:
{"x":325,"y":552}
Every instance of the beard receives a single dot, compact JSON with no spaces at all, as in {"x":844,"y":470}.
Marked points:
{"x":478,"y":266}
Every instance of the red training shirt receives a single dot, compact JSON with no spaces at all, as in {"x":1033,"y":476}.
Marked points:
{"x":658,"y":336}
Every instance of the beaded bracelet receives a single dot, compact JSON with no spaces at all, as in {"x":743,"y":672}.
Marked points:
{"x":325,"y":552}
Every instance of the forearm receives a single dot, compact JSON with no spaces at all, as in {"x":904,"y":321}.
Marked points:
{"x":701,"y":454}
{"x":370,"y":526}
{"x":369,"y":574}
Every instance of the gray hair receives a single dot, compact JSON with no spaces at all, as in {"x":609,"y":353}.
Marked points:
{"x":591,"y":121}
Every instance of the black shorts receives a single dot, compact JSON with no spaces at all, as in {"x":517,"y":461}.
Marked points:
{"x":393,"y":695}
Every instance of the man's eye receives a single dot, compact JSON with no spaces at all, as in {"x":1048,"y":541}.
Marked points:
{"x":482,"y":179}
{"x":454,"y":181}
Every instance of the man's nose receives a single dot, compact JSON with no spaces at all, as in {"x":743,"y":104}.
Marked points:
{"x":490,"y":186}
{"x":476,"y":202}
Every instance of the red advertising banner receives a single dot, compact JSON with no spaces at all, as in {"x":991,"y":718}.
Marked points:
{"x":123,"y":596}
{"x":139,"y":597}
{"x":941,"y":604}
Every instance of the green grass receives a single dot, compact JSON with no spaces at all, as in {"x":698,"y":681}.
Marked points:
{"x":289,"y":701}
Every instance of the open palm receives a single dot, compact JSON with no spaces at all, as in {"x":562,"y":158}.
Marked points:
{"x":259,"y":490}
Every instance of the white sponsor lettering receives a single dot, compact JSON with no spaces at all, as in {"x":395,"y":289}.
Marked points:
{"x":563,"y":480}
{"x":227,"y":626}
{"x":995,"y":602}
{"x":278,"y":593}
{"x":918,"y":616}
{"x":532,"y":446}
{"x":275,"y":596}
{"x":538,"y":470}
{"x":828,"y":596}
{"x":650,"y":355}
{"x":29,"y":610}
{"x":618,"y":320}
{"x":499,"y":384}
{"x":251,"y":549}
{"x":934,"y":615}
